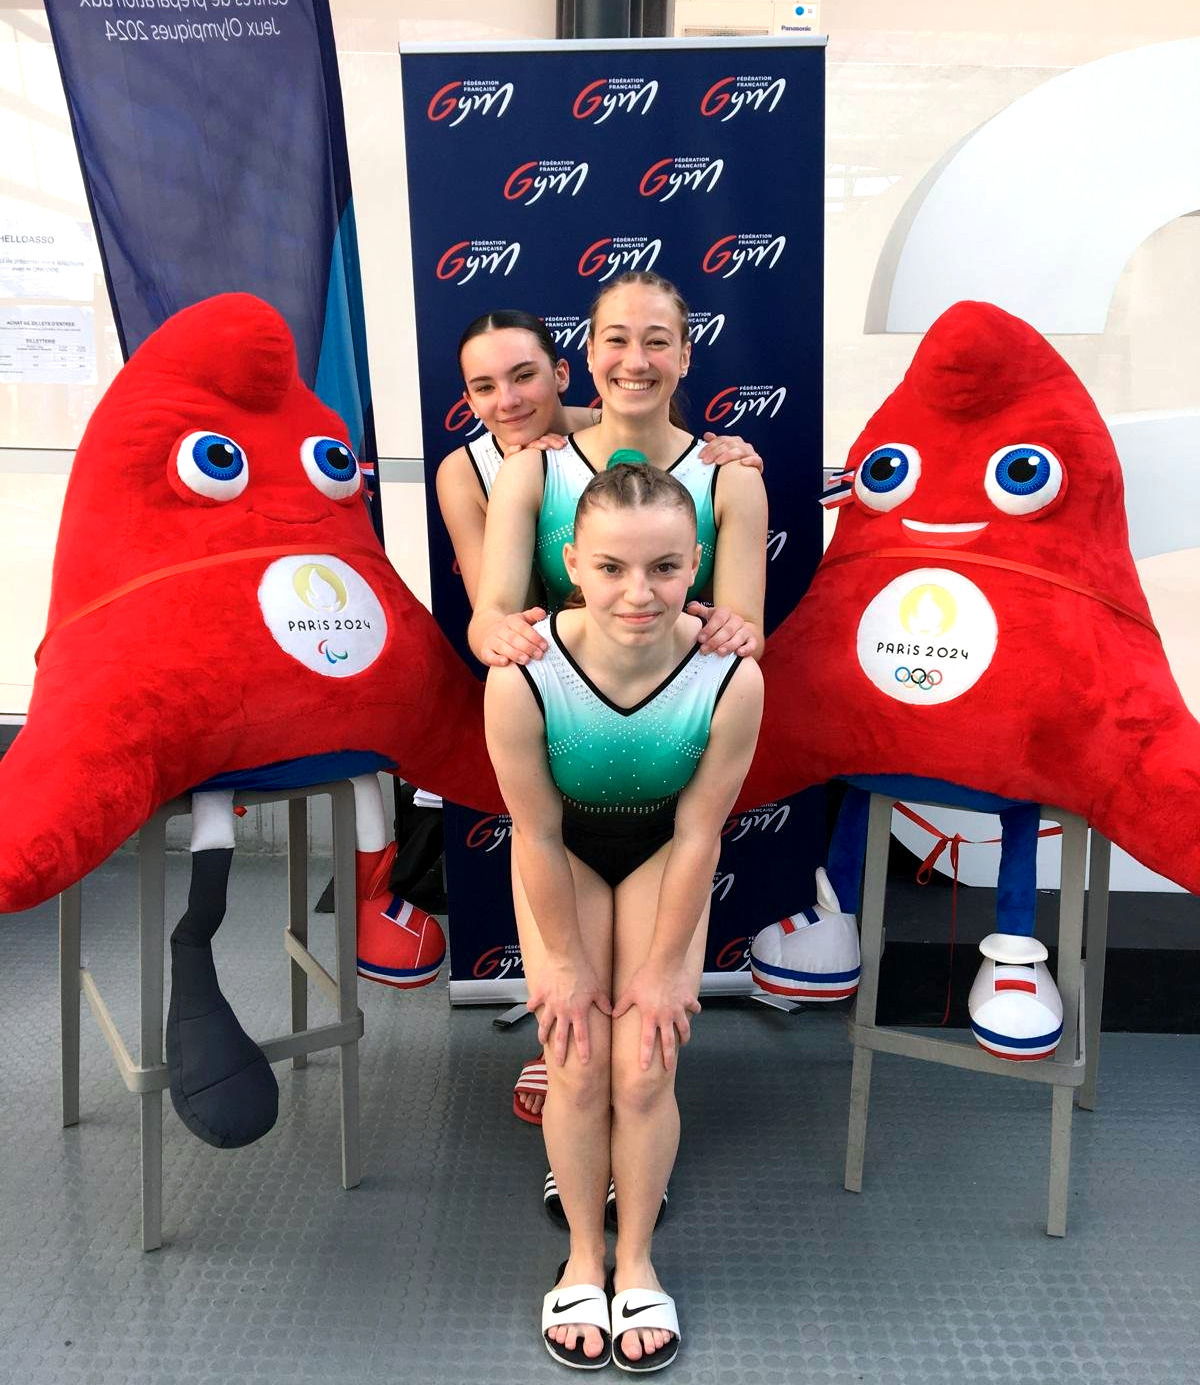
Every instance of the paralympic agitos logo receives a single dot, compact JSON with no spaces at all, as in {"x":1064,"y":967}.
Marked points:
{"x":462,"y":261}
{"x":617,"y":254}
{"x":608,"y":95}
{"x":477,"y":96}
{"x":683,"y":173}
{"x":531,"y":181}
{"x":729,"y":255}
{"x":733,"y":95}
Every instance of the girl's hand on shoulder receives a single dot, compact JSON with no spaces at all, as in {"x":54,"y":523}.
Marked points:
{"x":562,"y":1002}
{"x":720,"y":449}
{"x":548,"y":442}
{"x":723,"y":631}
{"x":666,"y":999}
{"x":513,"y":640}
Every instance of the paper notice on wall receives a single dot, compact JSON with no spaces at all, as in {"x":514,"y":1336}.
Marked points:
{"x":46,"y":256}
{"x":50,"y":346}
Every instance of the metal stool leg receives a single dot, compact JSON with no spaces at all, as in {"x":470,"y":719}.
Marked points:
{"x":1070,"y":951}
{"x":298,"y":913}
{"x":879,"y":831}
{"x":148,"y":1077}
{"x":856,"y":1134}
{"x":1064,"y":1073}
{"x":70,"y":905}
{"x":152,"y":904}
{"x":1060,"y":1160}
{"x":1097,"y":946}
{"x":345,"y":911}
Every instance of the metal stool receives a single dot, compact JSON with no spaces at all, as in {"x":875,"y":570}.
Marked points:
{"x":147,"y":1078}
{"x":1073,"y":1077}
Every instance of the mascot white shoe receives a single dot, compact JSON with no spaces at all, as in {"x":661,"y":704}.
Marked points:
{"x":1015,"y":1008}
{"x":812,"y":955}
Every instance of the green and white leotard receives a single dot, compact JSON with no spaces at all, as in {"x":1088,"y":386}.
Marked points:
{"x":620,"y":770}
{"x":566,"y":471}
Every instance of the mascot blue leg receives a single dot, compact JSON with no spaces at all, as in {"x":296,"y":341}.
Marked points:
{"x":1016,"y":886}
{"x":848,"y":848}
{"x":222,"y":1086}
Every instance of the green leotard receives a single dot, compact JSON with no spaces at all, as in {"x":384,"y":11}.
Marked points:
{"x":606,"y":758}
{"x":566,"y":471}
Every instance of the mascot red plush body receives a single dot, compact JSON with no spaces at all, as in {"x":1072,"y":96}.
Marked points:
{"x":220,"y":604}
{"x":977,"y":621}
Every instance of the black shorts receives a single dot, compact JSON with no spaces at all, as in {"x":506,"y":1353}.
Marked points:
{"x":614,"y":844}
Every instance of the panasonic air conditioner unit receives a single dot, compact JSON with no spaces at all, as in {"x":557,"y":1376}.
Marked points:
{"x":744,"y":18}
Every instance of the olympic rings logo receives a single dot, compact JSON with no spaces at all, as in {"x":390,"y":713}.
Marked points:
{"x":924,"y":678}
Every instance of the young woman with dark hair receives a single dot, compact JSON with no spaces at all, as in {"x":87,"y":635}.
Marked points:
{"x":513,"y":382}
{"x":638,"y":350}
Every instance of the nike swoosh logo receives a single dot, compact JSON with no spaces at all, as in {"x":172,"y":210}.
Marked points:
{"x":627,"y":1312}
{"x":562,"y":1307}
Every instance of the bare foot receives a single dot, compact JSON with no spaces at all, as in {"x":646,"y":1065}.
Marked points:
{"x":580,"y":1270}
{"x":533,"y":1077}
{"x":532,"y":1102}
{"x":645,"y":1341}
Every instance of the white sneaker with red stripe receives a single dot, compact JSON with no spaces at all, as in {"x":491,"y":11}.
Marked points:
{"x":1015,"y":1008}
{"x":811,"y":955}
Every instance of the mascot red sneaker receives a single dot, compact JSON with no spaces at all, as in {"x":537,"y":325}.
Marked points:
{"x":222,"y":616}
{"x":976,"y":634}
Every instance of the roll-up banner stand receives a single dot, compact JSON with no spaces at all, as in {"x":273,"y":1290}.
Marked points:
{"x":537,"y":172}
{"x":213,"y":147}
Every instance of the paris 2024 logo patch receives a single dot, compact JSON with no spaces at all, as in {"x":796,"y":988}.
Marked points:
{"x":927,"y":637}
{"x":322,"y":613}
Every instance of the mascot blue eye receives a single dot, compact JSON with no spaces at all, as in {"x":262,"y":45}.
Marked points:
{"x":334,"y":459}
{"x":331,"y":467}
{"x":211,"y":465}
{"x":887,"y":476}
{"x":1023,"y":478}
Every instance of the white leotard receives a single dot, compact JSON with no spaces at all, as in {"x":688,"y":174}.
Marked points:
{"x":485,"y":457}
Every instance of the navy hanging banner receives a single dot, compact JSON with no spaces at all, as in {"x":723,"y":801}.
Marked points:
{"x":213,"y":149}
{"x":536,"y":174}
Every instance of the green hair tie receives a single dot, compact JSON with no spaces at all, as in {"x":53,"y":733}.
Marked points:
{"x":627,"y":456}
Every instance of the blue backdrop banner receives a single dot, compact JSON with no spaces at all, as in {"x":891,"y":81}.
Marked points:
{"x":538,"y":174}
{"x":213,"y":148}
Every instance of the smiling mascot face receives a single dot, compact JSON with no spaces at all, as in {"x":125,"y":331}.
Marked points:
{"x":977,"y":617}
{"x":219,"y":602}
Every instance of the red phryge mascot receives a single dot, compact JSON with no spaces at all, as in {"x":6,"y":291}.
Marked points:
{"x":976,"y":634}
{"x":222,"y":615}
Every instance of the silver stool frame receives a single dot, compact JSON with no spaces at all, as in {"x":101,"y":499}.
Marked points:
{"x":147,"y":1078}
{"x":1081,"y":986}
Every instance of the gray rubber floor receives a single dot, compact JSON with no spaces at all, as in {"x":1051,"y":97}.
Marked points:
{"x":433,"y":1270}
